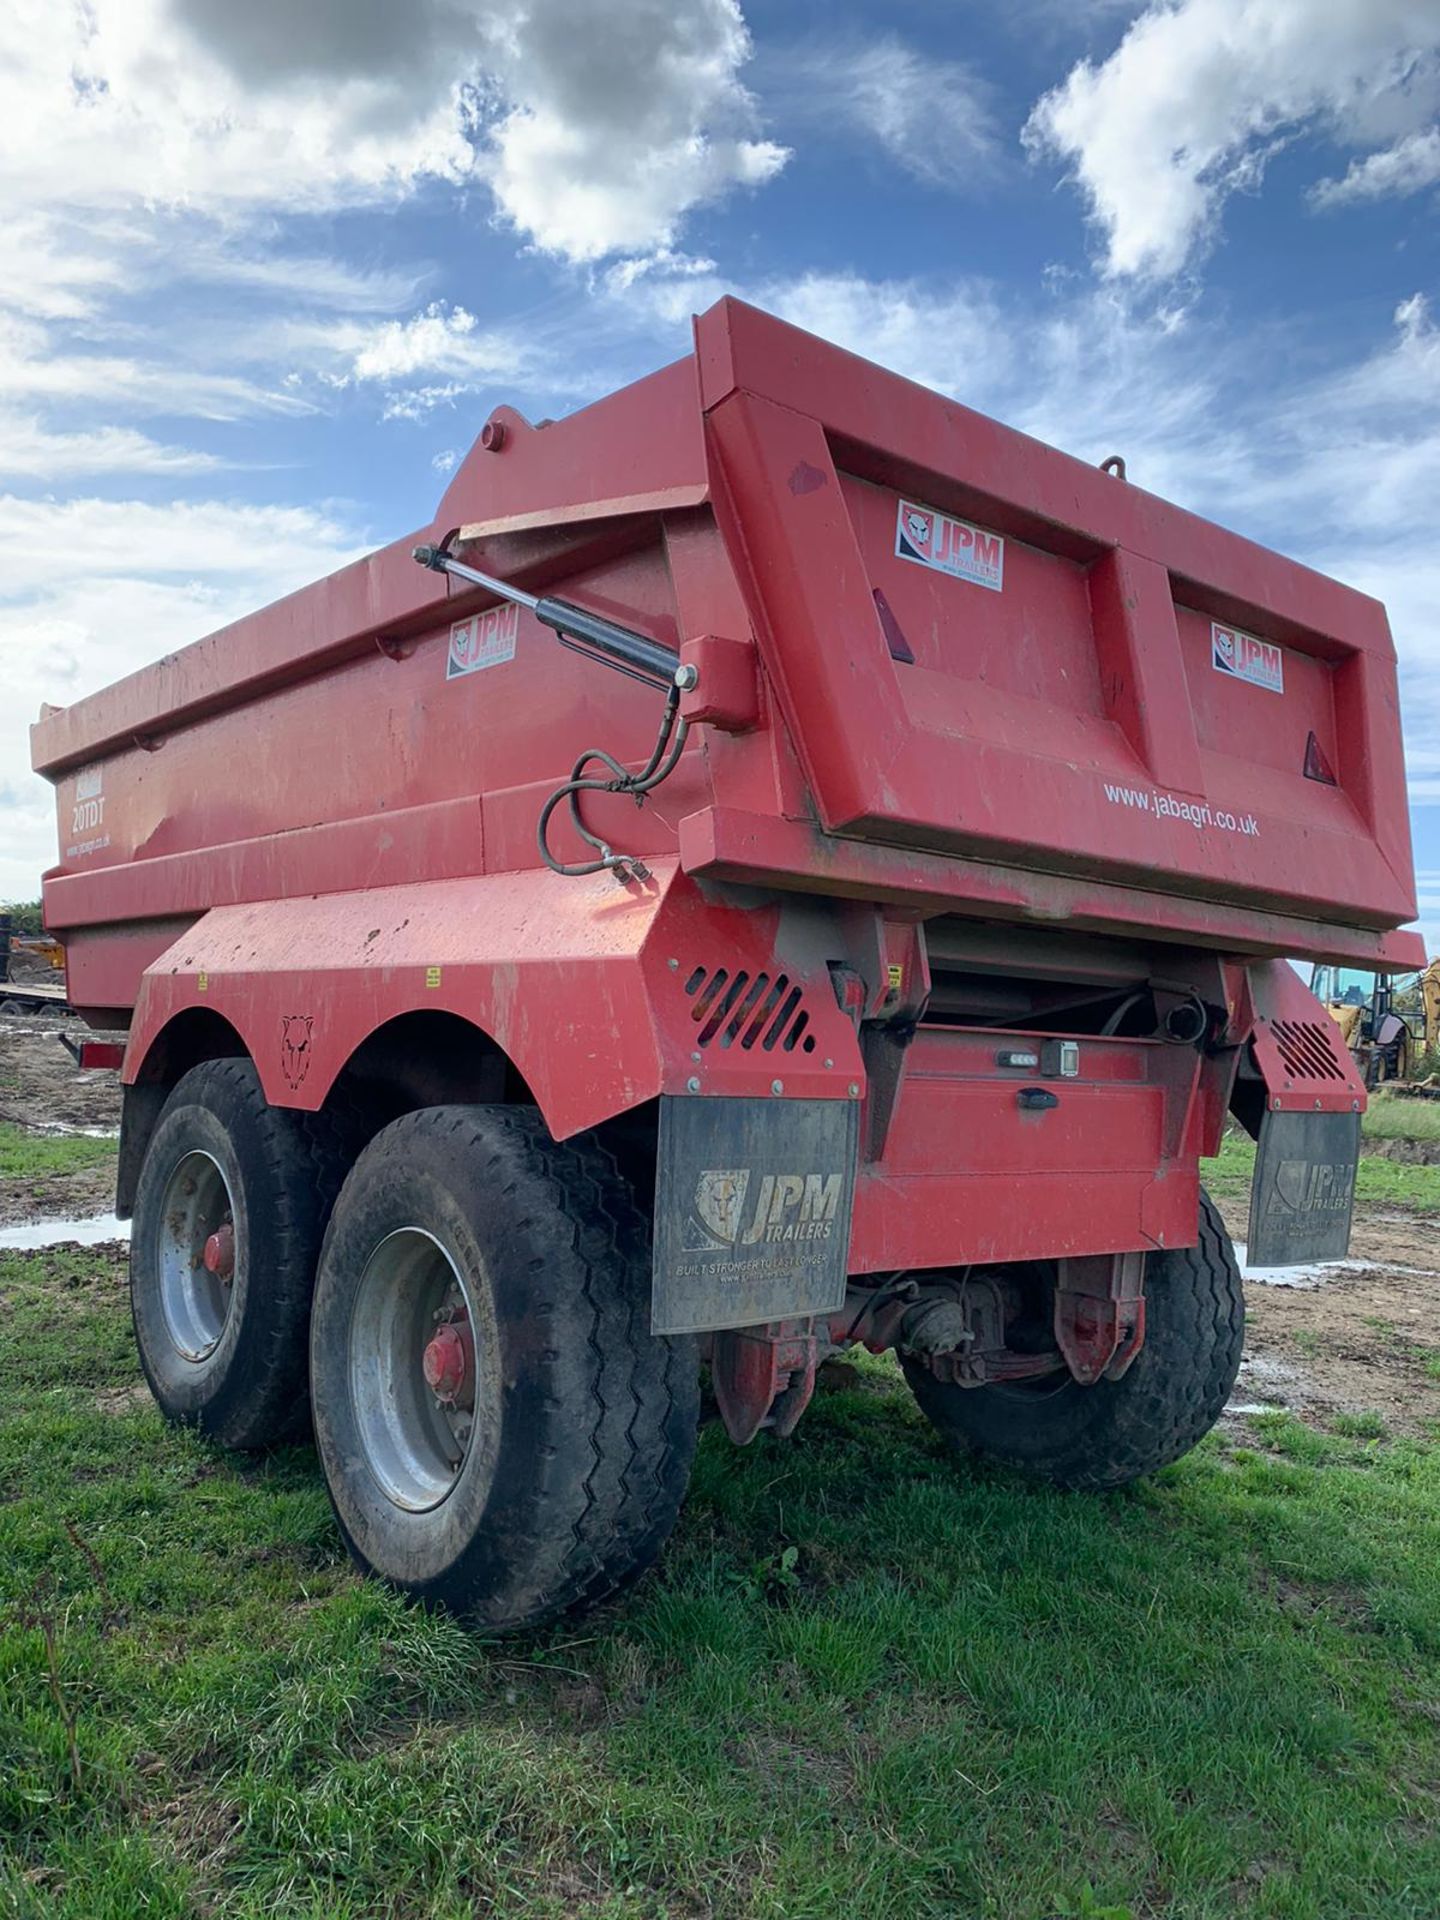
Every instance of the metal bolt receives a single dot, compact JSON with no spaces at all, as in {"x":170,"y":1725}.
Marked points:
{"x":854,"y":1089}
{"x":674,"y":965}
{"x":692,"y":1085}
{"x":1275,"y":1104}
{"x":829,"y":1063}
{"x":1317,"y":1106}
{"x":696,"y":1058}
{"x":777,"y":1086}
{"x":687,"y":677}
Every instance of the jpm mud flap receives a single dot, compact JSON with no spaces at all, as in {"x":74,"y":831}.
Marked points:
{"x":1304,"y":1188}
{"x":752,"y":1211}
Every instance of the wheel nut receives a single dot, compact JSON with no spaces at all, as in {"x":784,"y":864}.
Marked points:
{"x":219,"y":1254}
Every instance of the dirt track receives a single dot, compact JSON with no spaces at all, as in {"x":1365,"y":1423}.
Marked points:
{"x":42,"y":1091}
{"x":40,"y":1085}
{"x":1356,"y":1342}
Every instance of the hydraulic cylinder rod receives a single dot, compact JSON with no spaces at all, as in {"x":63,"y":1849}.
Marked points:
{"x":633,"y":651}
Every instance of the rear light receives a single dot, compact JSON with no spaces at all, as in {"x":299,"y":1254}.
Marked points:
{"x":850,"y":993}
{"x":91,"y":1054}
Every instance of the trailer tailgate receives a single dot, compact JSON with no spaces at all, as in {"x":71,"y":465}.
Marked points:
{"x":986,"y":647}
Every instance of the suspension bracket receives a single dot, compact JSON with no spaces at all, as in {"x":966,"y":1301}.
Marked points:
{"x":1100,"y":1314}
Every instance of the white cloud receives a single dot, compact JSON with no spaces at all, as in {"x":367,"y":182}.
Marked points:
{"x":153,"y":576}
{"x":444,"y":343}
{"x":933,"y":117}
{"x":619,"y":119}
{"x":311,"y":280}
{"x":1410,"y":166}
{"x":444,"y":340}
{"x":115,"y":104}
{"x":597,"y":128}
{"x":34,"y":368}
{"x":1191,"y":104}
{"x":28,"y":450}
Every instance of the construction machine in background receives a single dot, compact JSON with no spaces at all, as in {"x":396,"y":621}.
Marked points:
{"x":32,"y":968}
{"x":1390,"y":1021}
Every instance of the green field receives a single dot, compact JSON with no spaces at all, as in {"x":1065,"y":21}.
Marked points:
{"x":1392,"y":1117}
{"x":867,"y":1681}
{"x":28,"y":1156}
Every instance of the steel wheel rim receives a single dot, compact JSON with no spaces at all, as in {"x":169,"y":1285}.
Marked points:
{"x":414,"y":1445}
{"x":194,"y":1300}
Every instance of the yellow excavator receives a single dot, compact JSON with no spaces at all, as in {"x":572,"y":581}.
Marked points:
{"x":1389,"y":1020}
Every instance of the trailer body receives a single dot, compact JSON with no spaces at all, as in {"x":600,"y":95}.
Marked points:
{"x":1009,"y":789}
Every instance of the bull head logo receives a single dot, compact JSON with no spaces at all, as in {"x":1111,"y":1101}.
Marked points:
{"x":719,"y":1202}
{"x":295,"y":1046}
{"x":917,"y":526}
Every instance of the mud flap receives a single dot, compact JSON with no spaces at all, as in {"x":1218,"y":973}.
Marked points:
{"x":753,"y":1200}
{"x":1304,"y":1188}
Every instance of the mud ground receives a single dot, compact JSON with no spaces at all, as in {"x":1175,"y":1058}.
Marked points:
{"x":1357,"y":1342}
{"x":43,"y":1091}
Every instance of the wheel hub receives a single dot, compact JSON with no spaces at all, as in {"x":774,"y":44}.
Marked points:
{"x":219,"y":1254}
{"x":449,"y":1364}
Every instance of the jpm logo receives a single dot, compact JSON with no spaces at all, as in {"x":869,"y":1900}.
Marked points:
{"x":1309,"y":1186}
{"x":787,"y":1207}
{"x":950,"y":546}
{"x":1244,"y":657}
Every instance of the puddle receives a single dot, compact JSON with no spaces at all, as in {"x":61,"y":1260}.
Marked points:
{"x":31,"y":1235}
{"x":53,"y":1129}
{"x":1270,"y":1386}
{"x":1316,"y":1274}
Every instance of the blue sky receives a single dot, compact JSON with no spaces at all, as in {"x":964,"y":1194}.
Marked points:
{"x":264,"y":270}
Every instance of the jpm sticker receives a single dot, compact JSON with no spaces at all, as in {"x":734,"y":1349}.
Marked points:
{"x":752,"y":1211}
{"x":484,"y":640}
{"x":1243,"y":657}
{"x":949,"y":546}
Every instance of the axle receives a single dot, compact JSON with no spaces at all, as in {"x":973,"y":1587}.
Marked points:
{"x":957,"y":1325}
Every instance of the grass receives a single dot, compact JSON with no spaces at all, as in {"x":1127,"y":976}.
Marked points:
{"x":29,"y":1156}
{"x":1365,"y":1425}
{"x":1393,"y":1117}
{"x":1387,"y":1182}
{"x":868,"y":1681}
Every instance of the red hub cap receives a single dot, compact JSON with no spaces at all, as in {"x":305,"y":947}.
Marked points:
{"x":449,"y":1363}
{"x":219,"y":1254}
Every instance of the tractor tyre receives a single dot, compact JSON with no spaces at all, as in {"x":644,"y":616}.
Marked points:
{"x":501,"y":1433}
{"x":1117,"y":1430}
{"x":230,"y":1211}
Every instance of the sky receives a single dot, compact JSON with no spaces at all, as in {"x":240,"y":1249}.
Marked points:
{"x":266,"y":268}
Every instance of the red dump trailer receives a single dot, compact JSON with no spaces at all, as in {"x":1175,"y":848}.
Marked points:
{"x":779,"y":861}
